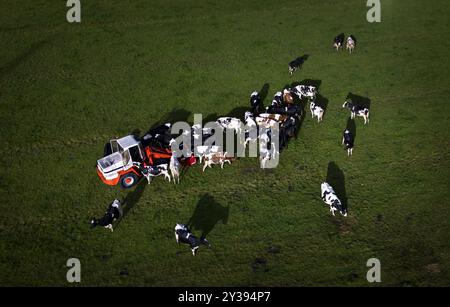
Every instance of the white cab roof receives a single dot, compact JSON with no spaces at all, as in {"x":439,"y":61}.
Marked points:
{"x":127,"y":142}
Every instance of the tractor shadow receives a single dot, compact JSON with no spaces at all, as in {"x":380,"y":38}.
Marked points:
{"x":176,"y":115}
{"x":351,"y":126}
{"x":23,"y":57}
{"x":359,"y":100}
{"x":207,"y":214}
{"x":336,"y":178}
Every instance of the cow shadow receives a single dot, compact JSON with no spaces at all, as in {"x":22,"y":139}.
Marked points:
{"x":301,"y":60}
{"x":351,"y":126}
{"x":210,"y":118}
{"x":359,"y":100}
{"x":133,"y":197}
{"x":238,"y":112}
{"x":322,"y":102}
{"x":336,"y":178}
{"x":207,"y":214}
{"x":263,"y":93}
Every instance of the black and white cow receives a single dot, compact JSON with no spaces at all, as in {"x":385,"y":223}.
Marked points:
{"x":296,"y":64}
{"x":331,"y":199}
{"x":184,"y":235}
{"x":159,"y":136}
{"x":255,"y":102}
{"x":113,"y":213}
{"x":338,"y":41}
{"x":151,"y":171}
{"x":231,"y":123}
{"x":277,"y":99}
{"x":316,"y":111}
{"x":351,"y":43}
{"x":348,"y":140}
{"x":357,"y":111}
{"x":307,"y":91}
{"x":291,"y":110}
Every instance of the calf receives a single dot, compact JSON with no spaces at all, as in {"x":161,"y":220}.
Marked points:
{"x":338,"y":41}
{"x":348,"y":140}
{"x":174,"y":166}
{"x":203,"y":150}
{"x":255,"y":102}
{"x":184,"y":235}
{"x":113,"y":213}
{"x":331,"y":199}
{"x":357,"y":111}
{"x":217,"y":158}
{"x":351,"y":42}
{"x":316,"y":111}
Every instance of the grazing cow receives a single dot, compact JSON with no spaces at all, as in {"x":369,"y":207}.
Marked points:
{"x":203,"y":150}
{"x":296,"y":64}
{"x":250,"y":124}
{"x":331,"y":199}
{"x":307,"y":91}
{"x":266,"y":153}
{"x":159,"y":136}
{"x":184,"y":235}
{"x":113,"y":213}
{"x":338,"y":41}
{"x":348,"y":140}
{"x":351,"y":42}
{"x":197,"y":133}
{"x":316,"y":111}
{"x":291,"y":110}
{"x":217,"y":158}
{"x":230,"y":123}
{"x":266,"y":122}
{"x":277,"y":99}
{"x":277,"y":117}
{"x":174,"y":166}
{"x":255,"y":102}
{"x":287,"y":97}
{"x":153,"y":171}
{"x":357,"y":111}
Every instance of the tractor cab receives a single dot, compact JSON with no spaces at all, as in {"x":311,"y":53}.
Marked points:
{"x":119,"y":167}
{"x":124,"y":152}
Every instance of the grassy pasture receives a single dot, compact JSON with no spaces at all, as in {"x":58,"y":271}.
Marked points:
{"x":65,"y":89}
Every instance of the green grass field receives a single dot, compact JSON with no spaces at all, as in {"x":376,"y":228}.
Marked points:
{"x":66,"y":89}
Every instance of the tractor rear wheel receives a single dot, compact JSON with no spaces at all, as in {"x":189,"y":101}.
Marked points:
{"x":129,"y":180}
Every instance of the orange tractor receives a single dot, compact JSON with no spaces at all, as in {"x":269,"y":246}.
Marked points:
{"x":118,"y":167}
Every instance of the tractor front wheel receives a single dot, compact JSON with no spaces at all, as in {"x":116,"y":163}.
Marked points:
{"x":129,"y":180}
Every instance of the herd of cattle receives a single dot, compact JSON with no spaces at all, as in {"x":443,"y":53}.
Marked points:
{"x":285,"y":110}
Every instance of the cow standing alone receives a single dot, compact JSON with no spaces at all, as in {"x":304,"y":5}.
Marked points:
{"x":113,"y":213}
{"x":184,"y":235}
{"x":348,"y":140}
{"x":338,"y":41}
